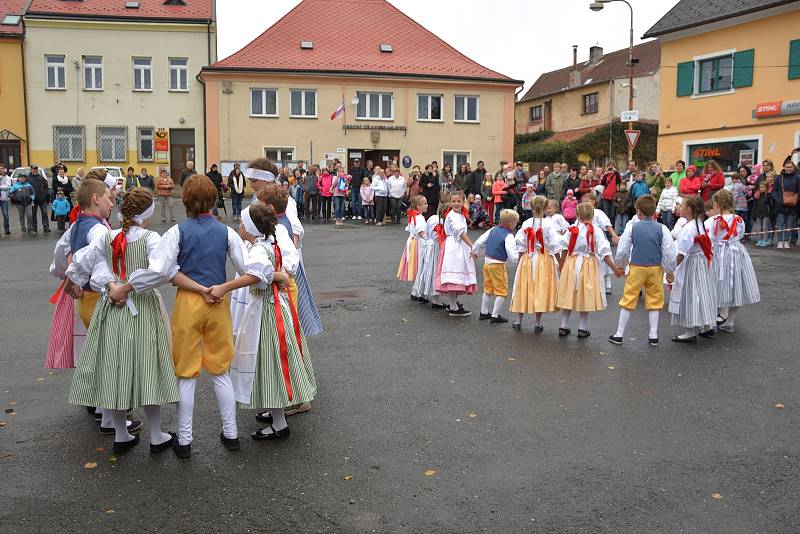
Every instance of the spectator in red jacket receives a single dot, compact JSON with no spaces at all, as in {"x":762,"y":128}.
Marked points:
{"x":691,"y":185}
{"x":610,"y":183}
{"x":713,"y":179}
{"x":587,"y":183}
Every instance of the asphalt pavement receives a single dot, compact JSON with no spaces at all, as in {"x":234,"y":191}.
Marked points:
{"x":425,"y":423}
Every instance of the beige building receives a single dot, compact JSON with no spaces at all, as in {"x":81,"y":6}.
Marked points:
{"x":576,"y":100}
{"x":405,"y":96}
{"x":113,"y":83}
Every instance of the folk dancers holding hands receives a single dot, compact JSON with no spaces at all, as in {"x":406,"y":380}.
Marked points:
{"x":500,"y":248}
{"x":455,"y":272}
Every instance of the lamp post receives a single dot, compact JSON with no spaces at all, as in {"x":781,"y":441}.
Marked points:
{"x":597,"y":6}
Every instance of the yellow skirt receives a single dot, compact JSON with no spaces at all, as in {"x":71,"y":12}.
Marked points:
{"x":407,"y":270}
{"x":535,"y":295}
{"x":587,"y":295}
{"x":86,"y":305}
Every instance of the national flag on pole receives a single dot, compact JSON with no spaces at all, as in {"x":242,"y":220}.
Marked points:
{"x":339,"y":110}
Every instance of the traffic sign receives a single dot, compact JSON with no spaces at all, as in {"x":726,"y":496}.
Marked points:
{"x":632,"y":136}
{"x":630,"y":116}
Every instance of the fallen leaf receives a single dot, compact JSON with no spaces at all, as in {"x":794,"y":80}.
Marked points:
{"x":405,"y":320}
{"x":611,"y":367}
{"x":12,"y":413}
{"x":100,"y":449}
{"x":51,"y":373}
{"x":604,"y":354}
{"x":109,"y":511}
{"x":12,"y":403}
{"x":3,"y":423}
{"x":716,"y":496}
{"x":511,"y":359}
{"x":779,"y":405}
{"x":348,"y":477}
{"x":113,"y":459}
{"x":472,"y":415}
{"x":90,"y":465}
{"x":368,"y":335}
{"x":562,"y":381}
{"x":430,"y":472}
{"x":40,"y":379}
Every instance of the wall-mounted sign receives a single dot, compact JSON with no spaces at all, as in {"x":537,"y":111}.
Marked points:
{"x":777,"y":108}
{"x":355,"y":155}
{"x":161,"y":145}
{"x":407,"y":162}
{"x":747,"y":157}
{"x":630,"y":116}
{"x":340,"y":150}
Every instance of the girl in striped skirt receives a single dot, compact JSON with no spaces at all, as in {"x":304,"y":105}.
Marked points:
{"x":424,"y":284}
{"x":126,"y":360}
{"x":272,"y":360}
{"x":693,"y":301}
{"x":736,"y":279}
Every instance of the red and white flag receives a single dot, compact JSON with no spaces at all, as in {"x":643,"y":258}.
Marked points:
{"x":339,"y":110}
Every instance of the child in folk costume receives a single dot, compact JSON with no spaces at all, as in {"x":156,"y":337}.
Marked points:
{"x":193,"y":255}
{"x":693,"y":301}
{"x":649,"y":247}
{"x":580,"y":286}
{"x":500,"y":249}
{"x":424,"y":285}
{"x":536,"y":282}
{"x":410,"y":259}
{"x":681,"y":221}
{"x":455,"y":272}
{"x":126,"y":360}
{"x":602,"y":221}
{"x":558,"y":220}
{"x":272,"y":358}
{"x":737,"y":285}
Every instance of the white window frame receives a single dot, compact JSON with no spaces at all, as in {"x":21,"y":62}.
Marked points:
{"x":466,"y":120}
{"x":263,"y":91}
{"x":454,"y":164}
{"x":690,"y":142}
{"x":142,"y":69}
{"x":303,"y":93}
{"x":429,"y":96}
{"x":56,"y":144}
{"x":114,"y":157}
{"x":140,"y":138}
{"x":51,"y":61}
{"x":178,"y":69}
{"x":94,"y":69}
{"x":381,"y":94}
{"x":280,"y":150}
{"x":697,"y":59}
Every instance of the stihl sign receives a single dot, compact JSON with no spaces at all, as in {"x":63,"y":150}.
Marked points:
{"x":778,"y":108}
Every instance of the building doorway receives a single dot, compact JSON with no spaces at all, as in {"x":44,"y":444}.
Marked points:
{"x":548,"y":115}
{"x":380,"y":158}
{"x":181,"y":150}
{"x":10,"y":150}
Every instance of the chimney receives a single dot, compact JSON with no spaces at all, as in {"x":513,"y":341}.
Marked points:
{"x":574,"y":74}
{"x":595,"y":53}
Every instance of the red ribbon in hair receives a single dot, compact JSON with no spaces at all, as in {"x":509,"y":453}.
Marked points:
{"x":118,"y":246}
{"x":590,"y":237}
{"x":574,"y":231}
{"x":411,"y":215}
{"x":730,"y":229}
{"x":532,"y":237}
{"x":705,"y":245}
{"x":440,"y":235}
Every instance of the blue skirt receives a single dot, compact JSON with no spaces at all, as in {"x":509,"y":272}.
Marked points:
{"x":306,"y":306}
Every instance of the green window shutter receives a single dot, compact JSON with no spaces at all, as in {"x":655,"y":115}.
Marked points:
{"x":794,"y":59}
{"x":685,"y":78}
{"x":743,"y":68}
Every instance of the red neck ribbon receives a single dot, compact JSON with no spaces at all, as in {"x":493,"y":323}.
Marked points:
{"x":704,"y":242}
{"x":73,"y":214}
{"x":730,"y":229}
{"x":464,"y":212}
{"x":574,"y":231}
{"x":440,"y":235}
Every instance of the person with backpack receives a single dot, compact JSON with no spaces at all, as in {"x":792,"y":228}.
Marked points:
{"x":23,"y":196}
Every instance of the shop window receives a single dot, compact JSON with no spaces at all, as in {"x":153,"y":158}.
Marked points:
{"x":729,"y":154}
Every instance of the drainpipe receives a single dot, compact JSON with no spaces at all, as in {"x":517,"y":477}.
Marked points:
{"x":205,"y":131}
{"x":516,"y":94}
{"x":610,"y":117}
{"x":25,"y":103}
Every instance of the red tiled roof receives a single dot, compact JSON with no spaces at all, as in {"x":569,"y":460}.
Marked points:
{"x":115,"y":9}
{"x":347,"y":35}
{"x":11,"y":7}
{"x":610,"y":66}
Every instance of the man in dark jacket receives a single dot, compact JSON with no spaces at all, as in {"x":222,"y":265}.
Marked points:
{"x":429,"y":187}
{"x":357,"y":174}
{"x":476,"y":179}
{"x":187,"y":172}
{"x":42,"y":191}
{"x":311,"y":194}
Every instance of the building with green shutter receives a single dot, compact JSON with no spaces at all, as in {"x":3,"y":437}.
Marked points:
{"x":730,"y":81}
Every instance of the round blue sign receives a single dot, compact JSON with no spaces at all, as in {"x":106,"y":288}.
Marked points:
{"x":407,"y":162}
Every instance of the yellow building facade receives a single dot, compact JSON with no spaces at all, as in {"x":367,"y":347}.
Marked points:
{"x":730,"y":90}
{"x":13,"y":124}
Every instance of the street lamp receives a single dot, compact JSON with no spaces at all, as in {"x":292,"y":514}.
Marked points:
{"x":597,"y":6}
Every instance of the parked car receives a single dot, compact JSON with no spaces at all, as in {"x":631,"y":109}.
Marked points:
{"x":27,"y":171}
{"x":115,"y":179}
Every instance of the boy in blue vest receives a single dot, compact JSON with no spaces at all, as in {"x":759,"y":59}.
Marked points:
{"x":651,"y":250}
{"x":500,"y":248}
{"x":193,"y":256}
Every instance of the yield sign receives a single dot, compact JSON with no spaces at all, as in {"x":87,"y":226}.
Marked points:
{"x":632,"y":136}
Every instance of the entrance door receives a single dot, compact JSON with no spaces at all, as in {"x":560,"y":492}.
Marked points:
{"x":548,"y":115}
{"x":181,"y":150}
{"x":10,"y":154}
{"x":381,"y":158}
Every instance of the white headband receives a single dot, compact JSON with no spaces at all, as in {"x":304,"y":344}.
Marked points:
{"x":258,"y":174}
{"x":249,"y":225}
{"x":142,"y":217}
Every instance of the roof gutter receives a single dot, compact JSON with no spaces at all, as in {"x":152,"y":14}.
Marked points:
{"x":111,"y":18}
{"x":257,"y":70}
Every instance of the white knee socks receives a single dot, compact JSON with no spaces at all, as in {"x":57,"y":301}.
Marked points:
{"x":565,"y":317}
{"x":185,"y":409}
{"x":518,"y":318}
{"x":538,"y":318}
{"x":584,"y":324}
{"x":732,"y":315}
{"x":652,"y":317}
{"x":278,"y":418}
{"x":485,"y":300}
{"x":687,"y":333}
{"x":453,"y":299}
{"x":226,"y":399}
{"x":624,"y":315}
{"x":106,"y":422}
{"x":120,"y":422}
{"x":498,"y":305}
{"x":157,"y":437}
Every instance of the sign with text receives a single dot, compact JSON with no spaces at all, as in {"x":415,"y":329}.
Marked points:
{"x":632,"y":136}
{"x":161,"y":145}
{"x":777,"y":108}
{"x":747,"y":157}
{"x":630,"y":116}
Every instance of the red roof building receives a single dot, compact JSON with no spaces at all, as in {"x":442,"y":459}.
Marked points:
{"x":11,"y":17}
{"x":163,"y":10}
{"x":401,"y":92}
